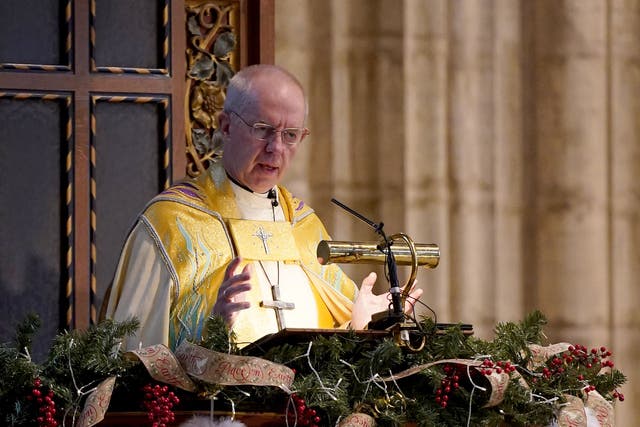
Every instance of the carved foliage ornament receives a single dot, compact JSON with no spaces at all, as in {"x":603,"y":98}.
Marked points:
{"x":211,"y":62}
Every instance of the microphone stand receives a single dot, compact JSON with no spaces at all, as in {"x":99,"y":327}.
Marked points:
{"x":384,"y":319}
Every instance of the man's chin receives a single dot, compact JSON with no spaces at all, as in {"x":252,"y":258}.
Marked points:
{"x":265,"y":181}
{"x":263,"y":186}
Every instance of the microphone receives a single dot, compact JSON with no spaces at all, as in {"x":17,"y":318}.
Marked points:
{"x":274,"y":199}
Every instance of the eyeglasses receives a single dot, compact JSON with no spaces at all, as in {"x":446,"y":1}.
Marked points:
{"x":265,"y":132}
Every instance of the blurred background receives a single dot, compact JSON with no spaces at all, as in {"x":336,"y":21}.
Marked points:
{"x":505,"y":131}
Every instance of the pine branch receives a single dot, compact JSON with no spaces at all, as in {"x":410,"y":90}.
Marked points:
{"x":218,"y":337}
{"x":25,"y":332}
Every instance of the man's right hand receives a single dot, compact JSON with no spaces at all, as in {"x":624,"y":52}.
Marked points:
{"x":232,"y":292}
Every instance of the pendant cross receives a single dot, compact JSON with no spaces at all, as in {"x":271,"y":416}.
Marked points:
{"x":277,"y":304}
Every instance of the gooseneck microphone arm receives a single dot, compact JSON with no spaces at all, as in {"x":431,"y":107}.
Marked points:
{"x":385,"y":248}
{"x":375,"y":226}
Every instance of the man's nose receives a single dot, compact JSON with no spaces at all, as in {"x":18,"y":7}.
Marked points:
{"x":275,"y":143}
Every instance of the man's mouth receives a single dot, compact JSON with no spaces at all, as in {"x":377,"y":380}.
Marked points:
{"x":269,"y":168}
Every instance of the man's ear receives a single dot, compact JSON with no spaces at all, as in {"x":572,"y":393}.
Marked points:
{"x":224,"y":121}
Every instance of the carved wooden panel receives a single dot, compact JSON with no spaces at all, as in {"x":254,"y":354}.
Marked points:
{"x":219,"y":36}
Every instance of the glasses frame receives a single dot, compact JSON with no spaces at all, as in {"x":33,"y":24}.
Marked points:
{"x":254,"y":127}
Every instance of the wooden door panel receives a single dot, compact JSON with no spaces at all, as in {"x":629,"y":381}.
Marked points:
{"x":132,"y":145}
{"x":130,"y":36}
{"x":36,"y":210}
{"x":35,"y":34}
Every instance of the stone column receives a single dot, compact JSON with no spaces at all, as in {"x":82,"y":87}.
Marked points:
{"x":509,"y":161}
{"x":471,"y":161}
{"x":624,"y":158}
{"x":570,"y":266}
{"x":426,"y":154}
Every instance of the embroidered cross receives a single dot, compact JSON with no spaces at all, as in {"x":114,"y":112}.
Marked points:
{"x":264,"y":236}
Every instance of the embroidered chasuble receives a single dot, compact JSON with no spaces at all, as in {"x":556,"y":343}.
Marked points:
{"x":175,"y":257}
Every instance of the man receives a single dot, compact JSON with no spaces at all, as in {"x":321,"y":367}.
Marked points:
{"x":233,"y":242}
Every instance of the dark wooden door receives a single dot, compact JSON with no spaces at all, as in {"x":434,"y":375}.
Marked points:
{"x":96,"y":117}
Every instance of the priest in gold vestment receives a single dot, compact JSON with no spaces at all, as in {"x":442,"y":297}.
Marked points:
{"x":235,"y":243}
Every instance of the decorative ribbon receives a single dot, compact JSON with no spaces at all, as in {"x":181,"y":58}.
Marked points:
{"x":226,"y":369}
{"x":601,"y":408}
{"x":498,"y":381}
{"x":97,"y":404}
{"x":572,"y":414}
{"x":358,"y":420}
{"x":164,"y":367}
{"x":540,"y":355}
{"x":420,"y":368}
{"x":209,"y":366}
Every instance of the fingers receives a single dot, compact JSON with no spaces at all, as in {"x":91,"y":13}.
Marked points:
{"x":369,"y":281}
{"x":235,"y":284}
{"x":232,"y":292}
{"x":416,"y":294}
{"x":413,"y":296}
{"x":231,"y":268}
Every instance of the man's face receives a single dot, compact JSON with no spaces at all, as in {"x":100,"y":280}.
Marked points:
{"x":256,"y":163}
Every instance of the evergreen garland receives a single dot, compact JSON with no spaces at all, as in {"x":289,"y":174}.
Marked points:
{"x":335,"y":375}
{"x":76,"y":359}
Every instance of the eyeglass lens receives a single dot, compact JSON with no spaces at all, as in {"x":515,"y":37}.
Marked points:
{"x":266,"y":132}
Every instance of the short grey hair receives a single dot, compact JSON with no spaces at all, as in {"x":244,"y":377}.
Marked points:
{"x":240,"y":94}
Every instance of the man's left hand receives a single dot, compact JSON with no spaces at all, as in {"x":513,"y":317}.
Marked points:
{"x":367,"y":303}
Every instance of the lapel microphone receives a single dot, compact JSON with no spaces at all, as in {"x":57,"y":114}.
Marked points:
{"x":274,"y":199}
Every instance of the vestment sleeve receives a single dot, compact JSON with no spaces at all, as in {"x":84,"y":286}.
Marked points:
{"x":142,"y":289}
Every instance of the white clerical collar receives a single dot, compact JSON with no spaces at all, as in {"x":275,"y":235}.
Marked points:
{"x":257,"y":206}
